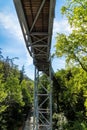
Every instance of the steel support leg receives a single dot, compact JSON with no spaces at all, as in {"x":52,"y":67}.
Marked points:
{"x":42,"y":116}
{"x":51,"y":85}
{"x":35,"y":113}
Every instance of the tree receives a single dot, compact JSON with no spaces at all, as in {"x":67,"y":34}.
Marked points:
{"x":73,"y":99}
{"x":58,"y":87}
{"x":71,"y":92}
{"x":15,"y":97}
{"x":3,"y":92}
{"x":27,"y":97}
{"x":3,"y":95}
{"x":22,"y":71}
{"x":74,"y":46}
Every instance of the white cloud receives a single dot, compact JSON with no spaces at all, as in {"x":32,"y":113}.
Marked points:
{"x":61,"y":27}
{"x":10,"y":24}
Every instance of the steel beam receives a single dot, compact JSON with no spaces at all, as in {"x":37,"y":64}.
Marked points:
{"x":23,"y":23}
{"x":35,"y":114}
{"x":36,"y":46}
{"x":39,"y":33}
{"x":42,"y":116}
{"x":38,"y":39}
{"x":37,"y":15}
{"x":50,"y":27}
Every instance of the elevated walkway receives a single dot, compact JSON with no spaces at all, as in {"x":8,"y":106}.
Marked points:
{"x":36,"y":20}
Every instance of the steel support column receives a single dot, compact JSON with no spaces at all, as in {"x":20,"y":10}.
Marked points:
{"x":35,"y":113}
{"x":42,"y":116}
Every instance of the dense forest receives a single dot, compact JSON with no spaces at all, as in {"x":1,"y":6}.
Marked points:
{"x":69,"y":85}
{"x":70,"y":99}
{"x":70,"y":95}
{"x":16,"y":94}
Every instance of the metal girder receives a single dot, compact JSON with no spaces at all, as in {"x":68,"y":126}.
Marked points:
{"x":38,"y":39}
{"x":42,"y":116}
{"x":39,"y":33}
{"x":34,"y":38}
{"x":41,"y":6}
{"x":23,"y":23}
{"x":41,"y":55}
{"x":36,"y":46}
{"x":50,"y":27}
{"x":33,"y":43}
{"x":41,"y":51}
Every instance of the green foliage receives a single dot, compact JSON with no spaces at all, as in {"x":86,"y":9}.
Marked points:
{"x":15,"y":95}
{"x":3,"y":95}
{"x":14,"y":90}
{"x":27,"y":96}
{"x":59,"y":120}
{"x":71,"y":92}
{"x":76,"y":125}
{"x":71,"y":97}
{"x":74,"y":46}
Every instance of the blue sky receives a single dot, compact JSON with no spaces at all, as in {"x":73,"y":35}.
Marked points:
{"x":11,"y":38}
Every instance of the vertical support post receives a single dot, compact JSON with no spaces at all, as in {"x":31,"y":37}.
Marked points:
{"x":51,"y":85}
{"x":42,"y":117}
{"x":35,"y":113}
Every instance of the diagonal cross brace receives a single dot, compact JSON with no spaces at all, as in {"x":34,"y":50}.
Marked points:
{"x":37,"y":15}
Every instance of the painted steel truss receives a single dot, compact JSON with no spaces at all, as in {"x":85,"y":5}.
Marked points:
{"x":38,"y":43}
{"x":36,"y":24}
{"x":42,"y":115}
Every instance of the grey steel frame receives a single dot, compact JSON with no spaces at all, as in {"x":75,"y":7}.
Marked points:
{"x":28,"y":34}
{"x":38,"y":110}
